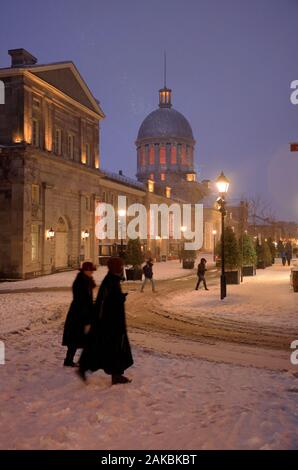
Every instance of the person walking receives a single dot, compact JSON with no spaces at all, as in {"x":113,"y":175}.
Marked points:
{"x":148,"y":275}
{"x":201,"y":273}
{"x":283,"y":256}
{"x":289,"y":252}
{"x":107,"y":346}
{"x":80,"y":312}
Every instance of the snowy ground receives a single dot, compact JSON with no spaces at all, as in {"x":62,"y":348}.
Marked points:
{"x":267,"y":298}
{"x":176,"y":400}
{"x":162,"y":270}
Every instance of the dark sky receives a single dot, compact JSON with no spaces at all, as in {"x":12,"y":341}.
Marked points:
{"x":230,"y":64}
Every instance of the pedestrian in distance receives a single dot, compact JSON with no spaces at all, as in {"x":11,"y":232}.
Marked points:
{"x":79,"y":315}
{"x":201,"y":273}
{"x":107,"y":346}
{"x":283,"y":257}
{"x":148,"y":275}
{"x":289,"y":252}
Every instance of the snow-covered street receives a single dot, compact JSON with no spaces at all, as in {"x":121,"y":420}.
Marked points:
{"x":200,"y":379}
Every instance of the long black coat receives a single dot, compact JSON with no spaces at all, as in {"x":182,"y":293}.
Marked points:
{"x":80,"y":312}
{"x":107,"y":345}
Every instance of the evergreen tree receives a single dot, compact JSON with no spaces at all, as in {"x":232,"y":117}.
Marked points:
{"x":249,"y":255}
{"x":134,"y":254}
{"x":232,"y":251}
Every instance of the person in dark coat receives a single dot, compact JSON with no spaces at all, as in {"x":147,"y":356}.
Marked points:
{"x":289,"y":252}
{"x":201,"y":273}
{"x":148,"y":275}
{"x":80,"y":312}
{"x":107,"y":345}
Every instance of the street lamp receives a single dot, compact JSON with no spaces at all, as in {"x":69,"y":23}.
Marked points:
{"x":222,"y":184}
{"x":214,"y":232}
{"x":121,"y":213}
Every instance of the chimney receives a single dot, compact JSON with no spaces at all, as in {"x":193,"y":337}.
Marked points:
{"x":21,"y":58}
{"x":120,"y":172}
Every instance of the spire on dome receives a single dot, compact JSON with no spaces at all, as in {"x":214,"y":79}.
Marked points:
{"x":165,"y":93}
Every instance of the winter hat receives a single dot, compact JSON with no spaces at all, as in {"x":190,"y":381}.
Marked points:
{"x":88,"y":266}
{"x":115,"y":265}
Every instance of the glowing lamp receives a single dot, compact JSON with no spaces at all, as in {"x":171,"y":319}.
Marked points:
{"x":222,"y":183}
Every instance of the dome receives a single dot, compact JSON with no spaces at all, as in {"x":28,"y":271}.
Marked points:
{"x":165,"y":122}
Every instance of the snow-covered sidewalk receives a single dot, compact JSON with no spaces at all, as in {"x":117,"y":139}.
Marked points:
{"x":162,"y":270}
{"x":266,"y":298}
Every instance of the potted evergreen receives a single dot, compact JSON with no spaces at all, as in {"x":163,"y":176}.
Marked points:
{"x":134,"y":258}
{"x":188,"y":258}
{"x":267,"y":254}
{"x":263,"y":255}
{"x":249,"y":256}
{"x":232,"y":257}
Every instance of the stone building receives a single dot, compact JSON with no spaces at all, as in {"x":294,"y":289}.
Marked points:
{"x":50,"y":177}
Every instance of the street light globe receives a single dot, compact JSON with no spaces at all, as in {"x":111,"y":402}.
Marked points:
{"x":222,"y":183}
{"x":214,"y":232}
{"x":183,"y":228}
{"x":121,"y":212}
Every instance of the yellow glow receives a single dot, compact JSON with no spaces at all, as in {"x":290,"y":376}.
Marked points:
{"x":168,"y":191}
{"x":222,"y":183}
{"x":96,"y":162}
{"x":150,"y":186}
{"x":190,"y":177}
{"x":17,"y":139}
{"x":84,"y":158}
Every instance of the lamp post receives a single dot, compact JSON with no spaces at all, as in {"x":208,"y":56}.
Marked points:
{"x":121,"y":213}
{"x":214,"y":232}
{"x":222,"y":184}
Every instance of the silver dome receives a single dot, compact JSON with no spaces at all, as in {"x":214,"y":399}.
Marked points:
{"x":167,"y":123}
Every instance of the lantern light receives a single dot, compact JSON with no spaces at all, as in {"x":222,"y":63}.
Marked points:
{"x":222,"y":183}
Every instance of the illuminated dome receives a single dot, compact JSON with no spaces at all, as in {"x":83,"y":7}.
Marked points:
{"x":165,"y":144}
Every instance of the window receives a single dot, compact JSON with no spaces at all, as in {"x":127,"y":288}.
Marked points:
{"x":162,"y":177}
{"x":35,"y":132}
{"x":34,"y":242}
{"x":36,"y":103}
{"x":151,"y":176}
{"x":35,"y":194}
{"x":58,"y":142}
{"x":162,"y":155}
{"x":104,"y":197}
{"x":168,"y":192}
{"x":173,"y":155}
{"x":151,"y":155}
{"x":70,"y":146}
{"x":190,"y":177}
{"x":183,"y":155}
{"x":88,"y":154}
{"x":150,"y":186}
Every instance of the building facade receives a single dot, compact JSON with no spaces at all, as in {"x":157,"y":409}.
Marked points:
{"x":50,"y":177}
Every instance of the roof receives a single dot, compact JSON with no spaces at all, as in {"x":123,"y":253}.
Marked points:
{"x":65,"y":77}
{"x":165,"y":122}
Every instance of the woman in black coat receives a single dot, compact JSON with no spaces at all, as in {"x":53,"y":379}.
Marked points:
{"x":107,"y":346}
{"x":80,"y":313}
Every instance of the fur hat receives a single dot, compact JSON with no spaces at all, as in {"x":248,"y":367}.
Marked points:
{"x":115,"y":265}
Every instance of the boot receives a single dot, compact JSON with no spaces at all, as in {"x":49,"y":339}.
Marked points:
{"x":120,"y":379}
